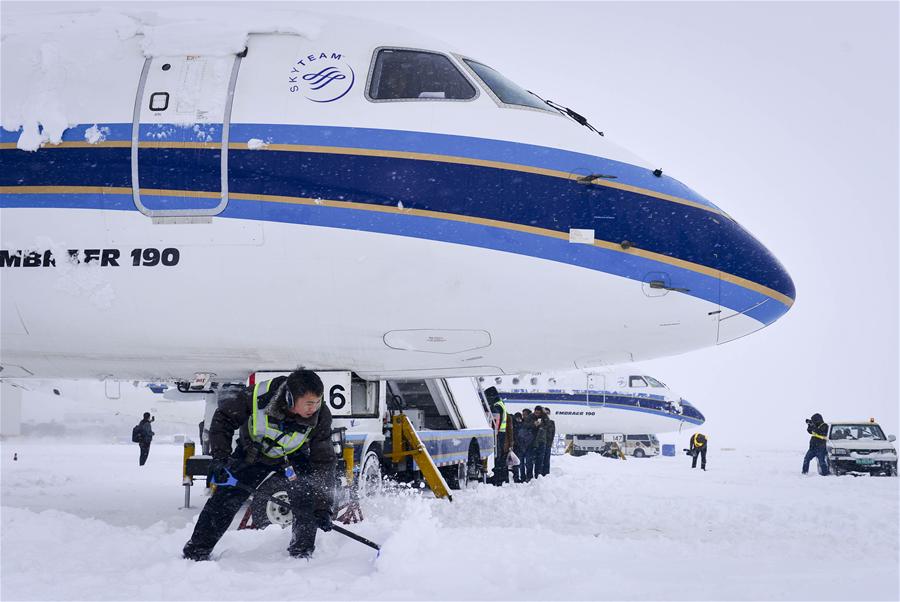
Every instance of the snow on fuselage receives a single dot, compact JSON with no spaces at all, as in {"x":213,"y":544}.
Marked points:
{"x":354,"y":196}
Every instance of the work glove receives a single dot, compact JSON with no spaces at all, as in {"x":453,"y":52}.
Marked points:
{"x":218,"y":470}
{"x":323,"y":519}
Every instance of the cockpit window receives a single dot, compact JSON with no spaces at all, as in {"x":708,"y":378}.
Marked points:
{"x":399,"y":74}
{"x":506,"y":91}
{"x":653,"y":382}
{"x":636,"y":381}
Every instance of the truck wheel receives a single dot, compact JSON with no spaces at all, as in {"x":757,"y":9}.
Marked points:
{"x":456,"y":475}
{"x":639,"y":453}
{"x":264,"y":511}
{"x":370,"y":477}
{"x":474,"y":466}
{"x":578,"y":452}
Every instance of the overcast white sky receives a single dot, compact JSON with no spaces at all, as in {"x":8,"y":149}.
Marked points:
{"x":783,"y":114}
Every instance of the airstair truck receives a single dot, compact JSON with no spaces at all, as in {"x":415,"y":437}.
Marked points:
{"x":449,"y":416}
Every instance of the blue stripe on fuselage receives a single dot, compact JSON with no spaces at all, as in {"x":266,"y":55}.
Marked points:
{"x":486,"y":193}
{"x":470,"y":147}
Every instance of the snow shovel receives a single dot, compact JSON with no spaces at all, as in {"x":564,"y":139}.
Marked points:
{"x":233,"y":482}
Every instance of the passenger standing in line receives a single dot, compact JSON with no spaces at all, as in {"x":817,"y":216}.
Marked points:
{"x":698,"y":448}
{"x":502,"y":428}
{"x":551,"y":438}
{"x":146,"y":437}
{"x":540,"y":440}
{"x":818,"y":430}
{"x":527,"y":434}
{"x":517,"y":448}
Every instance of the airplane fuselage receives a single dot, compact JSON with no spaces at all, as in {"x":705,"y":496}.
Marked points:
{"x":232,"y":213}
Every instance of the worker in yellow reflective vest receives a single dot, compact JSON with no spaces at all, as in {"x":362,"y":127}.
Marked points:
{"x":818,"y":434}
{"x":503,"y":426}
{"x":698,"y":448}
{"x":285,"y":427}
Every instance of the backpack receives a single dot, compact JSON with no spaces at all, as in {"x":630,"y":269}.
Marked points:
{"x":137,"y":434}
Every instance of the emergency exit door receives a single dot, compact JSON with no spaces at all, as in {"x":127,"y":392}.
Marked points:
{"x":179,"y":152}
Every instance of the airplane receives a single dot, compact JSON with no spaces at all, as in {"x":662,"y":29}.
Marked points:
{"x":339,"y":194}
{"x":623,"y":400}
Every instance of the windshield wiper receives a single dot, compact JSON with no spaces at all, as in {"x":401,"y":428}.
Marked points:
{"x":577,"y":117}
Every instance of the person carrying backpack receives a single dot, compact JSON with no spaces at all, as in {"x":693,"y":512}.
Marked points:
{"x":142,"y":434}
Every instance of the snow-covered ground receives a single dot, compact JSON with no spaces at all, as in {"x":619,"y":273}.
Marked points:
{"x":82,"y":521}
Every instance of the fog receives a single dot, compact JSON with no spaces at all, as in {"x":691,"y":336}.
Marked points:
{"x":783,"y":114}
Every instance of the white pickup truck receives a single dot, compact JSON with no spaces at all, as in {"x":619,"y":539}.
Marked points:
{"x":861,"y":447}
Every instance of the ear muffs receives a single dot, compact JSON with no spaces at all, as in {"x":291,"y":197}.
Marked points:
{"x":288,"y":398}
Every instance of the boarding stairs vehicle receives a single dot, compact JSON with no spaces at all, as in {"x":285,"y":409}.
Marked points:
{"x":427,"y":431}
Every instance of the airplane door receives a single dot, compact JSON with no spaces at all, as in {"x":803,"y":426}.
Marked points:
{"x":179,"y":152}
{"x":596,"y":386}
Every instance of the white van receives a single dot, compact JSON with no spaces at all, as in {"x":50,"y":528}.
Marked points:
{"x":860,"y":447}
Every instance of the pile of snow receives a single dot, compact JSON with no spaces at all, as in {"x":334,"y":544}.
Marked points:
{"x":750,"y":528}
{"x":49,"y":54}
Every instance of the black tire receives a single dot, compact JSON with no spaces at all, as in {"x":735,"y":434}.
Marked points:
{"x":578,"y":452}
{"x":892,"y":471}
{"x":639,"y":453}
{"x":371,"y":476}
{"x":264,"y":511}
{"x":455,"y":475}
{"x":475,"y":472}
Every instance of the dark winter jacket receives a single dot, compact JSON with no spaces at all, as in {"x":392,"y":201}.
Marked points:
{"x":551,"y":432}
{"x":235,"y":407}
{"x":819,"y":431}
{"x":698,"y":441}
{"x":524,"y":434}
{"x":542,"y":431}
{"x":146,"y":432}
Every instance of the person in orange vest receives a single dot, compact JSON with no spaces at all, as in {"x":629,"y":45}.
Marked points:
{"x":698,"y":448}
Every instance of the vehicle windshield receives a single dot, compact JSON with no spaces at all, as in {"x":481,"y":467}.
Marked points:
{"x":505,"y":89}
{"x":855,"y":432}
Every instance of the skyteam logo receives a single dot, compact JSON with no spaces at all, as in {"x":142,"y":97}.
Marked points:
{"x":322,"y":77}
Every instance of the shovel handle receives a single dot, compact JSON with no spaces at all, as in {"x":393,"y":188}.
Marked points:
{"x":353,"y":535}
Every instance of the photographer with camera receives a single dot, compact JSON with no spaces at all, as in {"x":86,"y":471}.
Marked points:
{"x":698,"y":448}
{"x":818,"y":431}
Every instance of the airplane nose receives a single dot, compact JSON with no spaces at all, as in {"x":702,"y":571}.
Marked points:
{"x":689,"y":411}
{"x":756,"y":289}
